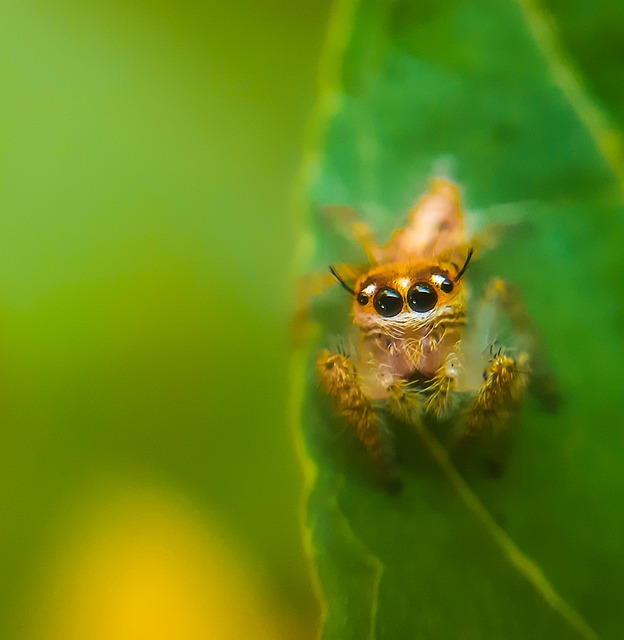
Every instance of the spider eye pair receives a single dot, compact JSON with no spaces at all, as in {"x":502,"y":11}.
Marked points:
{"x":388,"y":302}
{"x":422,"y":297}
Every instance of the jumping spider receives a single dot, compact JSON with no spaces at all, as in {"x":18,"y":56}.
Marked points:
{"x":411,"y":354}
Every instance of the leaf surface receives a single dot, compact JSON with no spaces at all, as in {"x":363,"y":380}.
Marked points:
{"x":486,"y":90}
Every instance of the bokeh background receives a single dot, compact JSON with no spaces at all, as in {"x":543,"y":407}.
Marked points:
{"x":148,"y":482}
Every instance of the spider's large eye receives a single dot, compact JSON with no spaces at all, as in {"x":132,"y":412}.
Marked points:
{"x":421,"y":297}
{"x":388,"y":302}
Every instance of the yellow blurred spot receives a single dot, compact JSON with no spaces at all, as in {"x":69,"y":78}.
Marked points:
{"x":144,"y":567}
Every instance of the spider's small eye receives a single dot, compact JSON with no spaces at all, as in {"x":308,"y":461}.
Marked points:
{"x":446,"y":285}
{"x":443,"y":282}
{"x":421,"y":297}
{"x":362,"y":298}
{"x":388,"y":302}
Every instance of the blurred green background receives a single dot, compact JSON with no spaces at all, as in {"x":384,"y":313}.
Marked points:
{"x":147,"y":156}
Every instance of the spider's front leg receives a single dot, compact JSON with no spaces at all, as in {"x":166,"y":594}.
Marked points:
{"x":340,"y":380}
{"x":508,"y":300}
{"x":504,"y":382}
{"x":441,"y":388}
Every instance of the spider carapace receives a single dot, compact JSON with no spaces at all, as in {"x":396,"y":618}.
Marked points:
{"x":416,"y":352}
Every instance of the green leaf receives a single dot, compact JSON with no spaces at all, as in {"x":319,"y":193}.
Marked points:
{"x":488,"y":89}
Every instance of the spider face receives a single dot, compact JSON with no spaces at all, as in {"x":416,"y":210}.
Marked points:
{"x":404,"y":292}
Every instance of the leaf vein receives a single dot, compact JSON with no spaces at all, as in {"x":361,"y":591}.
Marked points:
{"x":606,"y":136}
{"x":525,"y":565}
{"x":371,"y":559}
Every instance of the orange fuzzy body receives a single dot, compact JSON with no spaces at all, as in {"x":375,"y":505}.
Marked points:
{"x":409,"y":353}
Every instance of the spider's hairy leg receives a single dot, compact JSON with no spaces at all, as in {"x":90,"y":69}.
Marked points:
{"x":543,"y":381}
{"x":404,"y":401}
{"x":504,"y":382}
{"x":347,"y":221}
{"x":440,"y":390}
{"x":340,"y":380}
